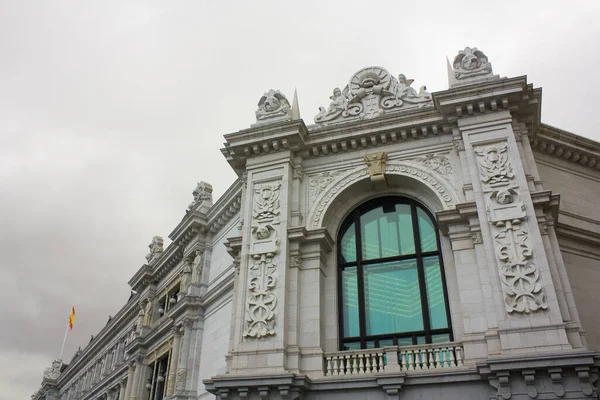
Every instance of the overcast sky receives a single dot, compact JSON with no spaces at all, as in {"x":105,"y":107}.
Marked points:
{"x":111,"y":111}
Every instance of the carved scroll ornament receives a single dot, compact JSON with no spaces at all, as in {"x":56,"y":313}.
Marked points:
{"x":520,"y":276}
{"x":372,"y":92}
{"x":261,"y":299}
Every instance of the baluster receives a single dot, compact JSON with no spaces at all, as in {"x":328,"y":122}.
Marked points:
{"x":354,"y":361}
{"x":336,"y":365}
{"x":380,"y":362}
{"x":450,"y":357}
{"x":459,"y":356}
{"x":329,"y":367}
{"x":434,"y":358}
{"x":403,"y":363}
{"x":370,"y":363}
{"x":344,"y":366}
{"x":361,"y":363}
{"x":411,"y":365}
{"x":418,"y":359}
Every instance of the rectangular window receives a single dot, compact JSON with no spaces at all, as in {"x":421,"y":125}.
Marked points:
{"x":392,"y":297}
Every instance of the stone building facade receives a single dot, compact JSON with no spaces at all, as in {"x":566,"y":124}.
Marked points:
{"x":407,"y":245}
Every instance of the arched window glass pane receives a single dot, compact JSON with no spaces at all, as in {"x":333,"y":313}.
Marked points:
{"x":387,"y":232}
{"x":392,"y":297}
{"x":435,"y":293}
{"x":426,"y":231}
{"x":349,"y":244}
{"x":350,"y":305}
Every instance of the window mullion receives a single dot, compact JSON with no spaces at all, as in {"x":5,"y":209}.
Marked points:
{"x":360,"y":281}
{"x":421,"y":274}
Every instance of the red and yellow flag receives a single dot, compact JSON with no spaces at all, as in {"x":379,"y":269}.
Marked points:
{"x":72,"y":318}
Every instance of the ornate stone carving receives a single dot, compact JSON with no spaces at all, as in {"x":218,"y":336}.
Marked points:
{"x":147,"y":321}
{"x":273,"y":106}
{"x":266,"y":204}
{"x":186,"y":276}
{"x":53,"y":372}
{"x":471,"y":62}
{"x":370,"y":93}
{"x":295,"y":261}
{"x":298,"y":173}
{"x":261,"y":302}
{"x":262,"y":270}
{"x":477,"y":237}
{"x":458,"y":144}
{"x":202,"y":193}
{"x":376,"y":167}
{"x":520,"y":276}
{"x":438,"y":186}
{"x":197,"y":266}
{"x":493,"y":164}
{"x":320,"y":181}
{"x":156,"y":249}
{"x":180,"y":381}
{"x":437,"y":162}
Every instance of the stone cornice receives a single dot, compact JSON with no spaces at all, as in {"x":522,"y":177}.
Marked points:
{"x":263,"y":139}
{"x":513,"y":94}
{"x":225,"y":208}
{"x":568,"y":146}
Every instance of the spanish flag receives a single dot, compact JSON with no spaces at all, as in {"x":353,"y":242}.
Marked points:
{"x":72,"y":318}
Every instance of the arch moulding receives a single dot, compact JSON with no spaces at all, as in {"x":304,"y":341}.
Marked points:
{"x":438,"y":185}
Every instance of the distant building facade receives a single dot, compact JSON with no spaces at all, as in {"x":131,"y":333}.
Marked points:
{"x":407,"y":245}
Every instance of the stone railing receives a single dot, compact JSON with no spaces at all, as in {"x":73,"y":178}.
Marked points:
{"x":394,"y":359}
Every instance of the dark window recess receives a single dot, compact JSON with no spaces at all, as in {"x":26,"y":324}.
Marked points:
{"x":392,"y":288}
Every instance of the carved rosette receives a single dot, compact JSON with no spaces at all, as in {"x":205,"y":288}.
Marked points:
{"x":520,"y":276}
{"x":262,"y":271}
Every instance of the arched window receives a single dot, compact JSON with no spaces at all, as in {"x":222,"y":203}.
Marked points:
{"x":392,"y":289}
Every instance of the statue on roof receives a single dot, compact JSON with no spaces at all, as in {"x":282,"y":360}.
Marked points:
{"x":202,"y":194}
{"x":156,"y":249}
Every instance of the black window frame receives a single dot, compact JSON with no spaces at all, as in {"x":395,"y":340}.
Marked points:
{"x":354,"y":218}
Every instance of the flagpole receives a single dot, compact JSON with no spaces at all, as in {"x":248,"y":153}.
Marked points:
{"x":64,"y":341}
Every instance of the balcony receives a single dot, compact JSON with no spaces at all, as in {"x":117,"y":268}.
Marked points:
{"x":394,"y":359}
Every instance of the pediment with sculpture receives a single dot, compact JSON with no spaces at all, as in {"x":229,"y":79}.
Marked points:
{"x":370,"y":93}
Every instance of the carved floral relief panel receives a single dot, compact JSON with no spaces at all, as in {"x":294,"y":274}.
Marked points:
{"x":261,"y":300}
{"x":519,"y":274}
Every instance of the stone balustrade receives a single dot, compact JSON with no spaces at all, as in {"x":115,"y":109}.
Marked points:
{"x":394,"y":359}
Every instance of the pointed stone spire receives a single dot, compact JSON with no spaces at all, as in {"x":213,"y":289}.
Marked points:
{"x":295,"y":106}
{"x":451,"y":78}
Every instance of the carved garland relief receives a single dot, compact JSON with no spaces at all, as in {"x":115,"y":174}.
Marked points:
{"x":520,"y":276}
{"x":262,"y":271}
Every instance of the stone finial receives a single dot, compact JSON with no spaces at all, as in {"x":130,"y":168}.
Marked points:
{"x":370,"y":93}
{"x":202,"y":196}
{"x":273,"y":106}
{"x":469,"y":66}
{"x":156,"y":248}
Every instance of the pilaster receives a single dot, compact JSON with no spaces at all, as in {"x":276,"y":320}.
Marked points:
{"x":530,"y":319}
